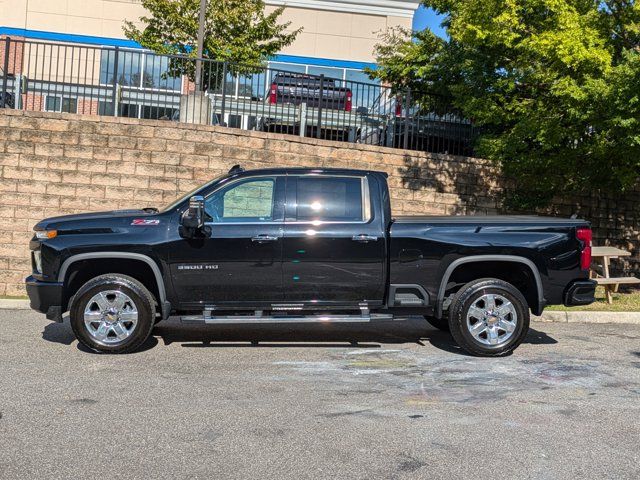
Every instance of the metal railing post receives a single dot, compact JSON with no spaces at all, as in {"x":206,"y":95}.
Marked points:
{"x":5,"y":70}
{"x":114,"y":94}
{"x":224,"y":93}
{"x":321,"y":95}
{"x":406,"y":119}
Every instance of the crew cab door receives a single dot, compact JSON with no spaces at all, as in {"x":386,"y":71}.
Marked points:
{"x":334,"y":243}
{"x":240,"y":263}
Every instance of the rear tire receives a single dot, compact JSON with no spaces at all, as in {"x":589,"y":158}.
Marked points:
{"x":489,"y":317}
{"x":112,"y":313}
{"x":439,"y":323}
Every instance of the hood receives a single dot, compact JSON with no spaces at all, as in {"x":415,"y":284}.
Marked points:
{"x":95,"y":219}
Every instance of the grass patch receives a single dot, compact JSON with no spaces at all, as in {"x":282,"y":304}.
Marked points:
{"x":12,"y":297}
{"x":622,"y":302}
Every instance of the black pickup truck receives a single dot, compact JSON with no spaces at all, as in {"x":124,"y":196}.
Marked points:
{"x":304,"y":245}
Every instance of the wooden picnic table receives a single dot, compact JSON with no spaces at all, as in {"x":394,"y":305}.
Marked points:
{"x":601,"y":257}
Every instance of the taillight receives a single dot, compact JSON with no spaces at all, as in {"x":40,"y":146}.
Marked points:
{"x":273,"y":97}
{"x":585,"y":236}
{"x":398,"y":106}
{"x":349,"y":105}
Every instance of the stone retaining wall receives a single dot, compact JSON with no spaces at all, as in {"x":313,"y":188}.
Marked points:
{"x":55,"y":164}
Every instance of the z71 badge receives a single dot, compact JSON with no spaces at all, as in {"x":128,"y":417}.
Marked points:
{"x":145,"y":222}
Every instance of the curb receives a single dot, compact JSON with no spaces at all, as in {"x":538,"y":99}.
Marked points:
{"x":14,"y":304}
{"x":588,"y":317}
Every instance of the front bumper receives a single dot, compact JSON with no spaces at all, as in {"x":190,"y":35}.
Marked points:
{"x":45,"y":297}
{"x":580,"y":292}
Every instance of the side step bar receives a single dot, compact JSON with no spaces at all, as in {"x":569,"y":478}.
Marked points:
{"x":207,"y":318}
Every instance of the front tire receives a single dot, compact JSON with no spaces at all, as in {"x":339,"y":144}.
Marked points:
{"x":112,"y":313}
{"x":489,"y":317}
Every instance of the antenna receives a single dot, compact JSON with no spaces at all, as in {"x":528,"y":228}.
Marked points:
{"x":236,"y":169}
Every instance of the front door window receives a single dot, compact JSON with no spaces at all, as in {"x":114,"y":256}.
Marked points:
{"x":243,"y":202}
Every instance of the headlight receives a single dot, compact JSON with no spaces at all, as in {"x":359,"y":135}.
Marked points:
{"x":44,"y":234}
{"x":37,"y":258}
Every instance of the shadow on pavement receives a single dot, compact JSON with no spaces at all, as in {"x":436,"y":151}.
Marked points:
{"x":149,"y":343}
{"x":62,"y":333}
{"x":368,"y":335}
{"x":59,"y":332}
{"x":535,"y":337}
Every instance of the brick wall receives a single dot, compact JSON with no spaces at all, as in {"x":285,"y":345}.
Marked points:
{"x":15,"y":54}
{"x":53,"y":164}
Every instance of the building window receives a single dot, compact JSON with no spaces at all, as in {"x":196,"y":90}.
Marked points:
{"x":138,"y":70}
{"x":336,"y":73}
{"x":158,"y":113}
{"x":366,"y":92}
{"x":105,"y":108}
{"x":55,"y":103}
{"x":286,"y":67}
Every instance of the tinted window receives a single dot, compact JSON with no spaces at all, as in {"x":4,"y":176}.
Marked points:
{"x":52,"y":104}
{"x":302,"y":80}
{"x":331,"y":199}
{"x":248,"y":201}
{"x":70,"y":105}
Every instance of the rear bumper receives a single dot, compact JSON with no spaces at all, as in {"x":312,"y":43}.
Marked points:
{"x":45,"y":297}
{"x":581,"y":292}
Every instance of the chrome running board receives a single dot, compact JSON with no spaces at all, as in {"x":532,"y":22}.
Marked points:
{"x":208,"y":318}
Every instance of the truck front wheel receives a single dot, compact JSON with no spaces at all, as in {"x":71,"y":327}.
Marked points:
{"x":112,"y":313}
{"x":489,"y":317}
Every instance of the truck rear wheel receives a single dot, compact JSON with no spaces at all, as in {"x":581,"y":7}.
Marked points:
{"x":489,"y":317}
{"x":112,"y":313}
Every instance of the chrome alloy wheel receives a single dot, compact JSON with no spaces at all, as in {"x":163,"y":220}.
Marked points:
{"x":110,"y":317}
{"x":492,"y":319}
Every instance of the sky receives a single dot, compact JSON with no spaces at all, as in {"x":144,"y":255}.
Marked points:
{"x":428,"y":18}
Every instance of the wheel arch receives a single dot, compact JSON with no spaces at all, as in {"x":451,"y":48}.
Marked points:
{"x":513,"y":259}
{"x":135,"y":257}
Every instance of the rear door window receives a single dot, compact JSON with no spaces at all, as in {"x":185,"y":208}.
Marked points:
{"x":331,"y":199}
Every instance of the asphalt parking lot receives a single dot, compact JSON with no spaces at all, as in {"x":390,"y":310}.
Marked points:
{"x":400,"y":402}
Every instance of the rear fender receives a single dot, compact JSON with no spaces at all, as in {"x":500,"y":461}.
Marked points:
{"x":536,"y":309}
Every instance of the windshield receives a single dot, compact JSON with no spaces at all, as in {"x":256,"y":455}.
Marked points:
{"x":184,"y":197}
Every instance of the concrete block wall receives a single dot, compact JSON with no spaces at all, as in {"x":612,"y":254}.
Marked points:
{"x":56,"y":164}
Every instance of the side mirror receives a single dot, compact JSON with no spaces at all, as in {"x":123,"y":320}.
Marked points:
{"x":192,"y":221}
{"x":194,"y":216}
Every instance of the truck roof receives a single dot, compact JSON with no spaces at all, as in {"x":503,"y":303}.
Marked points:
{"x":308,"y":170}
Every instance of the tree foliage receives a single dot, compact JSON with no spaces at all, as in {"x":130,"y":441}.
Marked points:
{"x":554,"y":86}
{"x":239,"y":32}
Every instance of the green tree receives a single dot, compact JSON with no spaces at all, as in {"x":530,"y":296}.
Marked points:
{"x":236,"y":31}
{"x":553,"y":84}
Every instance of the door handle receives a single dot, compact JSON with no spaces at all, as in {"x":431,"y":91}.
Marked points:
{"x":264,"y":238}
{"x":364,"y":238}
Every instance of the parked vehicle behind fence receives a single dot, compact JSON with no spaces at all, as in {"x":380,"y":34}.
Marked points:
{"x":313,"y":90}
{"x":7,"y":100}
